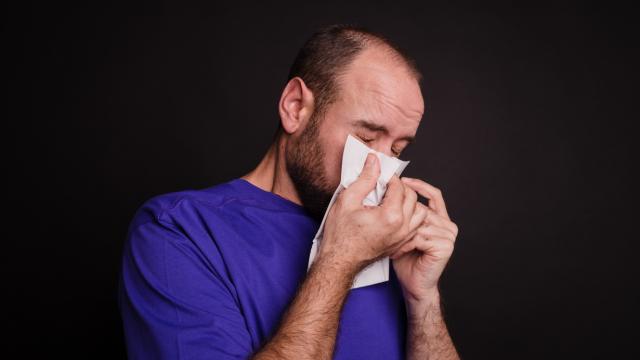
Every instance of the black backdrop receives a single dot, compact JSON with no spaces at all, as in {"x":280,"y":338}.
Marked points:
{"x":528,"y":131}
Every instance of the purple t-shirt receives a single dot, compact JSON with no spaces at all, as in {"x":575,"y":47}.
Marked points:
{"x":208,"y":274}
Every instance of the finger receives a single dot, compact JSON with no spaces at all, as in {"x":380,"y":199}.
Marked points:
{"x":438,"y":247}
{"x":434,"y":245}
{"x":409,"y":205}
{"x":436,"y":231}
{"x":365,"y":183}
{"x":433,"y":218}
{"x":436,"y":201}
{"x":419,"y":216}
{"x":394,"y":196}
{"x":407,"y":247}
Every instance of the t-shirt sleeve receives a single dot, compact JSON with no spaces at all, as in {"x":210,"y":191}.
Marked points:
{"x":175,"y":300}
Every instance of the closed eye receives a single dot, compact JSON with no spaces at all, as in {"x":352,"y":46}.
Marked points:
{"x":365,"y":139}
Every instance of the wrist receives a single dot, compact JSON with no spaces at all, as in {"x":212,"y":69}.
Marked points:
{"x":419,"y":307}
{"x":334,"y":265}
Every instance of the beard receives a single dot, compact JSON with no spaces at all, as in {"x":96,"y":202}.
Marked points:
{"x":306,"y":169}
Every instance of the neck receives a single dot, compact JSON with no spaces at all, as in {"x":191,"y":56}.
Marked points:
{"x":271,"y":173}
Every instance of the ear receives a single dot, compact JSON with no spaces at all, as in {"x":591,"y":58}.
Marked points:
{"x":296,"y":105}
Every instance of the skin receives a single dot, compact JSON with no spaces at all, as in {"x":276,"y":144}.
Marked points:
{"x":380,"y":102}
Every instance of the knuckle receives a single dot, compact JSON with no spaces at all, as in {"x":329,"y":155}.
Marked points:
{"x":421,"y":208}
{"x":413,"y":196}
{"x":448,"y":246}
{"x":393,"y":219}
{"x":455,"y":229}
{"x":427,"y":213}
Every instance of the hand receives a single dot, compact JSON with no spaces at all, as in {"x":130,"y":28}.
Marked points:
{"x":356,"y":235}
{"x":420,"y":261}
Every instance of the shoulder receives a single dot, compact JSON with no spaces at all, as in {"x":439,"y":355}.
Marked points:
{"x":171,"y":207}
{"x":186,"y":220}
{"x":173,"y":231}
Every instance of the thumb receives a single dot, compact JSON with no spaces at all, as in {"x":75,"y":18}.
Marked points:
{"x":358,"y":190}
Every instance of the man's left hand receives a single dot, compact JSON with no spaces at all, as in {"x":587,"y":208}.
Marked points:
{"x":421,"y":260}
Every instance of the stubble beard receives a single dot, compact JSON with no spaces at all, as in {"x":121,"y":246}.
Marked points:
{"x":304,"y":161}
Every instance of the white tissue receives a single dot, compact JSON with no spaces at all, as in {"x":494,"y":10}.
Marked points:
{"x":353,"y":158}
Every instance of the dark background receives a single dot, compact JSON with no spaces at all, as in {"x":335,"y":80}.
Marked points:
{"x":528,"y":131}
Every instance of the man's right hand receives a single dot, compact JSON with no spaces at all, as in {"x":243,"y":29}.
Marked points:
{"x":356,"y":235}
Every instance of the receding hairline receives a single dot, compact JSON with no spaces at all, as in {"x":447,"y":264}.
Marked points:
{"x":387,"y":56}
{"x":371,"y":41}
{"x":387,"y":59}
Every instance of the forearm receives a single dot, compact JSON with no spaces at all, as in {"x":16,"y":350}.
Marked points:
{"x":427,"y":335}
{"x":309,"y":327}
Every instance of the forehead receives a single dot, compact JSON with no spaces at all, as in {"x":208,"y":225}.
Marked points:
{"x":376,"y":86}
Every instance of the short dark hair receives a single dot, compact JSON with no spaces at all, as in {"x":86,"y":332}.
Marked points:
{"x":327,"y":54}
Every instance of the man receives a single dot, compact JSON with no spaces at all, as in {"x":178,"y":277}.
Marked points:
{"x":222,"y":272}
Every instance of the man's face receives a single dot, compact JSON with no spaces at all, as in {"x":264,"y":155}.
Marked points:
{"x":379,"y":102}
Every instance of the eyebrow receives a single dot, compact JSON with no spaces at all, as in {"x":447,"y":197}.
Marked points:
{"x":379,"y":128}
